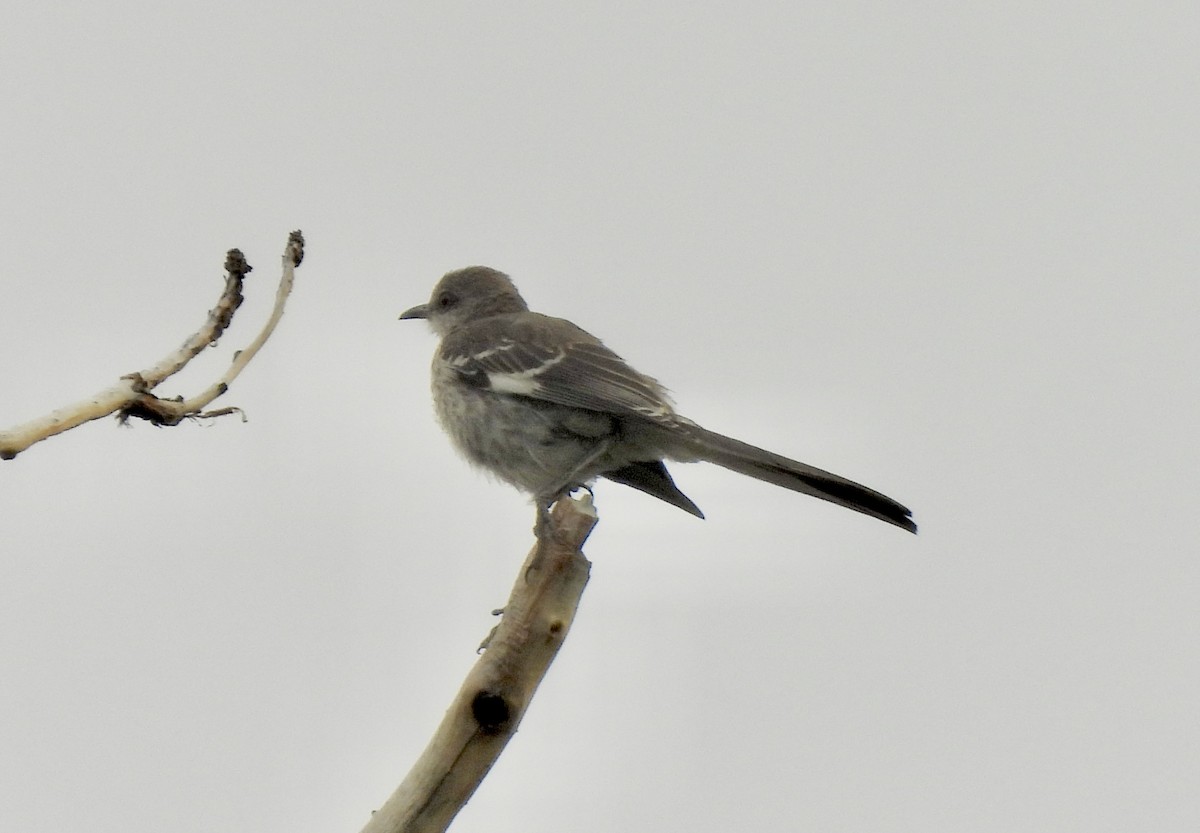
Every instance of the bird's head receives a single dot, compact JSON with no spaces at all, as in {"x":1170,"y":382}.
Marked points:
{"x":467,"y":295}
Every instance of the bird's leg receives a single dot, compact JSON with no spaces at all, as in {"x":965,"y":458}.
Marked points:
{"x":575,"y":478}
{"x":541,"y":526}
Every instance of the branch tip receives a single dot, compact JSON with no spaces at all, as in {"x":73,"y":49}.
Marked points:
{"x":235,"y":263}
{"x":295,"y":247}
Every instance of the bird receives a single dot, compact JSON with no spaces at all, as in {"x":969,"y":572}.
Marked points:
{"x":548,"y":408}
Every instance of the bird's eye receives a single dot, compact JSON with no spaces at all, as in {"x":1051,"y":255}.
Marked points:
{"x":447,"y":300}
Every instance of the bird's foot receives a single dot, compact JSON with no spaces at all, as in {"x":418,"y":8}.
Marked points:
{"x":542,"y":526}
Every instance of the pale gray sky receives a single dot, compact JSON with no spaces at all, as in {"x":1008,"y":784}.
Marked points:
{"x":948,"y":250}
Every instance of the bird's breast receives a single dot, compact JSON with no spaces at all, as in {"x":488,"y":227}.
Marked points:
{"x":523,"y":441}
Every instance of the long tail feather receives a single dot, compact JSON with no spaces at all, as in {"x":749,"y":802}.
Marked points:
{"x":758,"y":463}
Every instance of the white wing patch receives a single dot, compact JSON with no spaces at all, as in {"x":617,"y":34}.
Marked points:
{"x":524,"y":382}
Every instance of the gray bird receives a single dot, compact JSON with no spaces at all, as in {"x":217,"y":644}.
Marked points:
{"x":547,"y":407}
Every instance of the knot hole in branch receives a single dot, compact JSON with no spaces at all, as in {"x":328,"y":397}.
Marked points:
{"x":491,"y":712}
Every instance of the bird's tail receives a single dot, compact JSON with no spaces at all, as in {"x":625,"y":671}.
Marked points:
{"x":790,"y":474}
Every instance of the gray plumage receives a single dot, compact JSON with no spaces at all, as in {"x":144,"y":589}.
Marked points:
{"x":547,"y":407}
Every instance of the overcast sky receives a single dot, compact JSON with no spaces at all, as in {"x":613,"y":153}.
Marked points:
{"x":947,"y":250}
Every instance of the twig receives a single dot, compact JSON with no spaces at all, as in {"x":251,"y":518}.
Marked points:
{"x":131,"y":397}
{"x":493,"y":699}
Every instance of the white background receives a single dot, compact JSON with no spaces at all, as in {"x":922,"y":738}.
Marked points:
{"x":948,"y":250}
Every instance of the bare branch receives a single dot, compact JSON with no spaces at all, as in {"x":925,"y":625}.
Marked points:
{"x":131,"y":397}
{"x":292,"y":257}
{"x":493,"y":699}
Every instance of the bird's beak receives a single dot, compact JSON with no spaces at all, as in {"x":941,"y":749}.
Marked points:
{"x":419,"y":311}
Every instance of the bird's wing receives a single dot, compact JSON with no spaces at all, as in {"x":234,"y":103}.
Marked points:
{"x":552,"y":360}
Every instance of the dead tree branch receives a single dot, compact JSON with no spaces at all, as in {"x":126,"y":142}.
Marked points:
{"x":493,"y":699}
{"x":131,"y":397}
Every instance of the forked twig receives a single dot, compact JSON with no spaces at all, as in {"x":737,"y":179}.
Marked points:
{"x":131,"y":397}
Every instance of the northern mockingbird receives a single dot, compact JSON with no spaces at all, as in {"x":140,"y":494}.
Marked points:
{"x":547,"y":407}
